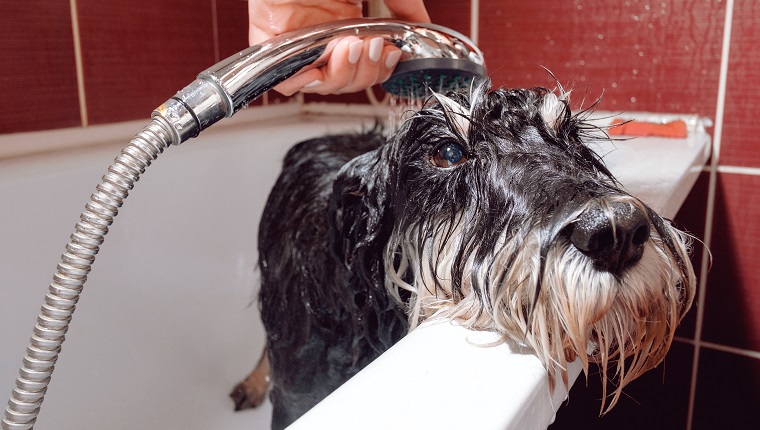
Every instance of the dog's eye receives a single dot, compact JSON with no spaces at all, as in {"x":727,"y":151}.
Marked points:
{"x":449,"y":154}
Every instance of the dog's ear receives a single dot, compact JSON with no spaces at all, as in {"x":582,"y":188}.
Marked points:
{"x":357,"y":207}
{"x":554,"y":109}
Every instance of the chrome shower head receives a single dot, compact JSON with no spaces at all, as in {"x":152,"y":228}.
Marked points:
{"x":433,"y":57}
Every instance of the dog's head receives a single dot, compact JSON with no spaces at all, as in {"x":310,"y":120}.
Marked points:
{"x":490,"y":209}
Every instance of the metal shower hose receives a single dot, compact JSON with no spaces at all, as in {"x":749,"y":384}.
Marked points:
{"x":84,"y":244}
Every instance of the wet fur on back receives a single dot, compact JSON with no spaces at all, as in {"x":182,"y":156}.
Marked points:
{"x":327,"y":315}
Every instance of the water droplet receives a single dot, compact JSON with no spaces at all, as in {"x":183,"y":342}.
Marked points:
{"x":635,"y":72}
{"x":614,"y":85}
{"x":633,"y":99}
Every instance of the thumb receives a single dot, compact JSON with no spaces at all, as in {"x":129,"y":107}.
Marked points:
{"x":409,"y":10}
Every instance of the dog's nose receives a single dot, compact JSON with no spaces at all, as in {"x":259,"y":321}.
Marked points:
{"x":613,"y":238}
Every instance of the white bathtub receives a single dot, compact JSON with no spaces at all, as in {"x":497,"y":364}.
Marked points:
{"x":167,"y":322}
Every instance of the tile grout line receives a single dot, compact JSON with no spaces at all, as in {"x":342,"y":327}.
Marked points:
{"x":265,"y":97}
{"x":740,"y":170}
{"x":730,"y":349}
{"x":78,"y":63}
{"x":215,"y":30}
{"x":710,"y":209}
{"x":217,"y":49}
{"x":474,"y":20}
{"x":719,"y":347}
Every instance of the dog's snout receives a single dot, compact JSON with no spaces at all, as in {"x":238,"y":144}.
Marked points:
{"x":613,"y":237}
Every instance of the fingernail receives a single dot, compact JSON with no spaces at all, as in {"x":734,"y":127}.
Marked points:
{"x":313,"y":83}
{"x":392,"y":59}
{"x":355,"y":51}
{"x":375,"y":49}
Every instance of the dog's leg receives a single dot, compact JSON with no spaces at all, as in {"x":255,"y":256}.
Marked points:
{"x":252,"y":391}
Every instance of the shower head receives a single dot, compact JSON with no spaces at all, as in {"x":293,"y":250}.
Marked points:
{"x":415,"y":78}
{"x":433,"y":57}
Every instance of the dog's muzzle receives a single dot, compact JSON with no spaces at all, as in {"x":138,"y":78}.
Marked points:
{"x":611,"y":234}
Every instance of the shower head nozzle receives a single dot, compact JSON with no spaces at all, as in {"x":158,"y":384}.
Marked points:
{"x":433,"y":57}
{"x":415,"y":78}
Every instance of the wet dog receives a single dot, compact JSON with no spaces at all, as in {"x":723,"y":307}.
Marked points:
{"x":486,"y":207}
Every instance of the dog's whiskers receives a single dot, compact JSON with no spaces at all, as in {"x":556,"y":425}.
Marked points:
{"x":601,"y":317}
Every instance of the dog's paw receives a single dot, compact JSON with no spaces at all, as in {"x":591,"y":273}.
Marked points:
{"x":247,"y":397}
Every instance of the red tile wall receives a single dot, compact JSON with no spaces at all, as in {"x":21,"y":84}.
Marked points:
{"x":454,"y":14}
{"x":232,"y":25}
{"x":38,"y":84}
{"x":661,"y":56}
{"x":138,"y":53}
{"x":741,"y":127}
{"x":135,"y":55}
{"x":732,"y":308}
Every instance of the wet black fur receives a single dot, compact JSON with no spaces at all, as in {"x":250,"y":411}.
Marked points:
{"x":340,"y":199}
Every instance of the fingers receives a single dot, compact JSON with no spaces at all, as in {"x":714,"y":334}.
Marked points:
{"x":301,"y":81}
{"x":354,"y":65}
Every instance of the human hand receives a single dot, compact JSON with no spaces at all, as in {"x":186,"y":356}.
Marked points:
{"x":352,"y":64}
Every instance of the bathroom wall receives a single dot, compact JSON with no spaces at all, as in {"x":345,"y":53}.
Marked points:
{"x":87,"y":62}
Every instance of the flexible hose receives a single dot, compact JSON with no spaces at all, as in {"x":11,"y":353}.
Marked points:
{"x":76,"y":262}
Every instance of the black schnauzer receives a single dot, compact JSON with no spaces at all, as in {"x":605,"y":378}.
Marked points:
{"x":486,"y":208}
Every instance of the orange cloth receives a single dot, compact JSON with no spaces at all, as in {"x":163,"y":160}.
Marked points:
{"x":620,"y":127}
